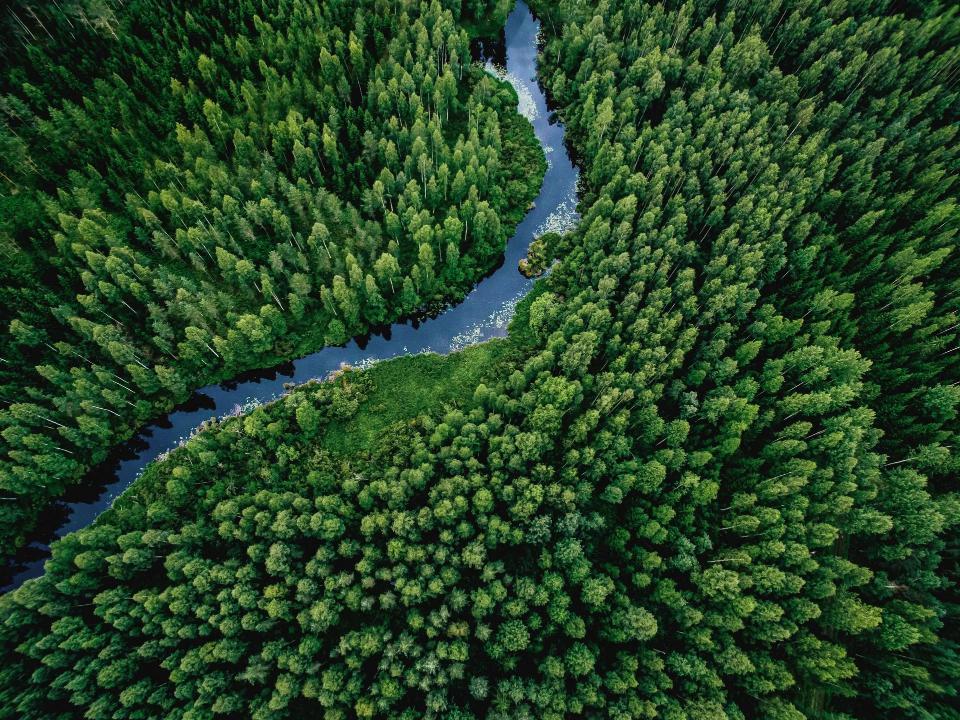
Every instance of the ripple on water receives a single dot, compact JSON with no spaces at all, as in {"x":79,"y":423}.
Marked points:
{"x":562,"y":220}
{"x":526,"y":105}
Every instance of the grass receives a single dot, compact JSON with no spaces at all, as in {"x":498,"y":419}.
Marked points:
{"x":406,"y":387}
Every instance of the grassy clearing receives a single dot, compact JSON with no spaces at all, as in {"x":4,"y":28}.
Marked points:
{"x":406,"y":387}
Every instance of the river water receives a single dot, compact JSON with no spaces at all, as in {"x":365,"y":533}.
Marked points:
{"x":482,"y":315}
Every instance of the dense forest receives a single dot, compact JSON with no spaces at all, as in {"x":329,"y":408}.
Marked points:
{"x":713,"y":477}
{"x":191,"y":193}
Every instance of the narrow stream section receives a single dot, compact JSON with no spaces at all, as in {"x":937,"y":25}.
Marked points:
{"x":483,"y":314}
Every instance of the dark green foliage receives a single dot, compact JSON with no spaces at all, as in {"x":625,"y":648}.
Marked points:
{"x":715,"y":481}
{"x":178,"y":212}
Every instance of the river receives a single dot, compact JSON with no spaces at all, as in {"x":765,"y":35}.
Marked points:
{"x":482,"y":315}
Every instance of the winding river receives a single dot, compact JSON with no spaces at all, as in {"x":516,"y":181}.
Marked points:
{"x":482,"y":315}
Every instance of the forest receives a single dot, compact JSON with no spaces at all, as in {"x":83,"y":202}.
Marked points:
{"x":708,"y":475}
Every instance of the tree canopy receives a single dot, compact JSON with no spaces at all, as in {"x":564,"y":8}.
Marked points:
{"x":716,"y":481}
